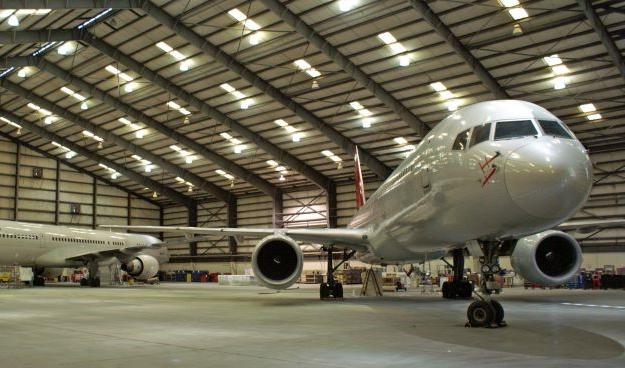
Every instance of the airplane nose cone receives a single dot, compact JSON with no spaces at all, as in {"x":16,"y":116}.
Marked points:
{"x":549,"y":178}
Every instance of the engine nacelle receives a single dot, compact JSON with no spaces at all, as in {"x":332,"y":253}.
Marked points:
{"x":549,"y":258}
{"x":142,"y":267}
{"x":277,"y":261}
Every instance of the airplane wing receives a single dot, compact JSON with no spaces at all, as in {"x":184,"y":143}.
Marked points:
{"x":356,"y":239}
{"x":588,"y":226}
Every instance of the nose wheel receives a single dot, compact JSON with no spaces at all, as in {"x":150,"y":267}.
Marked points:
{"x":487,"y":312}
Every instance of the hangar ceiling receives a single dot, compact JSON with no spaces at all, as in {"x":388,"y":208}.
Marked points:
{"x":186,"y":101}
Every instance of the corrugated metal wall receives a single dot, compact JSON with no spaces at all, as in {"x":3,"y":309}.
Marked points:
{"x":36,"y":199}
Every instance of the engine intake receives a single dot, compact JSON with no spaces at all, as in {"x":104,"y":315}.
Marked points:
{"x":142,"y":267}
{"x":549,"y":258}
{"x":277,"y":261}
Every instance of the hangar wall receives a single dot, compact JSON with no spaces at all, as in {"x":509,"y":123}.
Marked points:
{"x":36,"y":197}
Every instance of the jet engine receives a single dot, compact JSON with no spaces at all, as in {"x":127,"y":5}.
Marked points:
{"x":142,"y":267}
{"x":277,"y":261}
{"x":549,"y":258}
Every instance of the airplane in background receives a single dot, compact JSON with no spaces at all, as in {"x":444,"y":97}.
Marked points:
{"x":46,"y":246}
{"x":491,"y":179}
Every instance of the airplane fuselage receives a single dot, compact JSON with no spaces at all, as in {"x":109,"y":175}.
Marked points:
{"x":495,"y":184}
{"x":39,"y":245}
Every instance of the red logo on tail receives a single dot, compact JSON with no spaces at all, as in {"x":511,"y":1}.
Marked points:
{"x":360,"y":185}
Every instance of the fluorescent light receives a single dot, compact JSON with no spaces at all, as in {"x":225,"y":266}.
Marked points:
{"x":189,"y":159}
{"x":49,"y":120}
{"x":447,"y":95}
{"x":397,"y":48}
{"x":335,"y":158}
{"x":559,"y":83}
{"x":404,"y":60}
{"x":313,"y":72}
{"x":238,"y":148}
{"x":594,"y":117}
{"x":281,"y":122}
{"x":129,"y":87}
{"x":365,"y":112}
{"x":438,"y":86}
{"x":175,"y":148}
{"x":184,"y":66}
{"x":22,"y":73}
{"x":560,"y":69}
{"x":226,"y":135}
{"x":177,"y":54}
{"x":84,"y":106}
{"x":272,"y":163}
{"x":140,"y":133}
{"x":124,"y":121}
{"x":184,"y":111}
{"x":280,"y":168}
{"x":509,"y":3}
{"x":356,"y":105}
{"x":296,"y":137}
{"x":246,"y":103}
{"x":346,"y":5}
{"x":125,"y":77}
{"x":255,"y":39}
{"x":452,"y":105}
{"x":366,"y":122}
{"x":327,"y":153}
{"x":165,"y":47}
{"x":173,"y":105}
{"x":400,"y":140}
{"x":387,"y":38}
{"x":238,"y":94}
{"x":237,"y":14}
{"x":235,"y":141}
{"x":589,"y":107}
{"x":518,"y":13}
{"x":251,"y":25}
{"x":290,"y":129}
{"x":226,"y":87}
{"x":552,"y":60}
{"x":111,"y":69}
{"x":67,"y":91}
{"x":302,"y":64}
{"x":13,"y":21}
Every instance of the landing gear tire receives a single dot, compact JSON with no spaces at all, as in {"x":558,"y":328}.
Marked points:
{"x":447,"y":290}
{"x":324,"y":291}
{"x":84,"y":282}
{"x":480,"y":314}
{"x":499,"y":313}
{"x":457,"y":289}
{"x":337,"y":291}
{"x":466,"y":290}
{"x":327,"y":291}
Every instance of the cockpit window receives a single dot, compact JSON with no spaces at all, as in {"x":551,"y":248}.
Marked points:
{"x":480,"y":134}
{"x":514,"y":129}
{"x":554,"y":128}
{"x":461,"y":141}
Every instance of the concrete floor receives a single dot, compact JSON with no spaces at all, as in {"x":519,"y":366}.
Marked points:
{"x":204,"y":325}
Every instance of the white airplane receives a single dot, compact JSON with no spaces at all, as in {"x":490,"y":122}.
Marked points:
{"x":491,"y":179}
{"x":45,"y":246}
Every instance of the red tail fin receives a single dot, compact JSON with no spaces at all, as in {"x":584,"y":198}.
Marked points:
{"x":360,"y":185}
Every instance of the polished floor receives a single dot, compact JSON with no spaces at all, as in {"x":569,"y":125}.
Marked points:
{"x":204,"y":325}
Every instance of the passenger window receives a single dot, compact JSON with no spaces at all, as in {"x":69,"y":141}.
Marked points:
{"x":480,"y":134}
{"x":554,"y":128}
{"x":514,"y":129}
{"x":461,"y":141}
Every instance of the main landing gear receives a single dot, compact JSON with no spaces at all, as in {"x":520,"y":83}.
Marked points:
{"x":332,"y":289}
{"x":459,"y":288}
{"x":487,"y":312}
{"x":39,"y":279}
{"x":94,"y":275}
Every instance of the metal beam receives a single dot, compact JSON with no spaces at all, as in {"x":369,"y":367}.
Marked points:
{"x":232,"y":222}
{"x":346,"y":144}
{"x":332,"y":206}
{"x":144,"y":181}
{"x":230,"y":166}
{"x":57,"y":192}
{"x":68,"y":4}
{"x":199,"y":182}
{"x":192,"y":222}
{"x":94,"y":203}
{"x":277,"y":153}
{"x":278,"y":211}
{"x":16,"y":187}
{"x":604,"y":36}
{"x":348,"y":67}
{"x":43,"y":35}
{"x":476,"y":66}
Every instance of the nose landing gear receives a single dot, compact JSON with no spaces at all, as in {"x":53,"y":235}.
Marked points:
{"x":487,"y":312}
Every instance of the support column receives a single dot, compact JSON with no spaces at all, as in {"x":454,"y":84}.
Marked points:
{"x":16,"y":188}
{"x":128,"y":209}
{"x":161,"y":222}
{"x":57,"y":192}
{"x":278,"y":210}
{"x":332,"y":214}
{"x":94,"y":202}
{"x":192,"y":211}
{"x":232,"y":222}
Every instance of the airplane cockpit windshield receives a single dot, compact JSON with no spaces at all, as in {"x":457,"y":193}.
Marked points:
{"x":553,"y":128}
{"x":514,"y":129}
